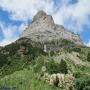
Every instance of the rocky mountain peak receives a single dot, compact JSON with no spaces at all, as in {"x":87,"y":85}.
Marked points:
{"x":40,"y":14}
{"x":42,"y":18}
{"x":44,"y":30}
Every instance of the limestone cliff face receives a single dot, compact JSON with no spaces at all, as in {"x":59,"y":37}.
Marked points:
{"x":44,"y":30}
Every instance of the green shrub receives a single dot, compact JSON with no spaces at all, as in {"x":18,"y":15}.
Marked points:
{"x":39,"y":62}
{"x":67,"y":42}
{"x":52,"y":53}
{"x":14,"y":64}
{"x":83,"y":83}
{"x":3,"y":60}
{"x":77,"y":74}
{"x":77,"y":49}
{"x":53,"y":67}
{"x":88,"y":57}
{"x":63,"y":67}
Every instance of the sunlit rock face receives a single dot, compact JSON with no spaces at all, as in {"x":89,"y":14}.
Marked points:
{"x":43,"y":31}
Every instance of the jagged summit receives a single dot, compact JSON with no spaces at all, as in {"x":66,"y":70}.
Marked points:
{"x":40,"y":14}
{"x":42,"y":18}
{"x":44,"y":30}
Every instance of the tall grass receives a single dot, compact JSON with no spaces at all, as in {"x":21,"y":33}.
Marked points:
{"x":24,"y":80}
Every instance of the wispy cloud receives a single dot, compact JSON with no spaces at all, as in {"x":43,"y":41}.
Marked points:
{"x":88,"y":43}
{"x":26,"y":9}
{"x":9,"y":33}
{"x":72,"y":16}
{"x":76,"y":13}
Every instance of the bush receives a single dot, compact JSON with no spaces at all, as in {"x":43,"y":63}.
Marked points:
{"x":3,"y":60}
{"x":77,"y":49}
{"x":14,"y":64}
{"x":53,"y":67}
{"x":88,"y":57}
{"x":77,"y":74}
{"x":63,"y":67}
{"x":38,"y":64}
{"x":67,"y":42}
{"x":83,"y":83}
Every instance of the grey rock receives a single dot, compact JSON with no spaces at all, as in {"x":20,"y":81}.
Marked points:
{"x":43,"y":30}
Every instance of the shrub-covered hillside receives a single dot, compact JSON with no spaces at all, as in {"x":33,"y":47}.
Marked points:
{"x":24,"y":67}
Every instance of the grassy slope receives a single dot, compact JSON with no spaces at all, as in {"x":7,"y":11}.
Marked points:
{"x":25,"y":80}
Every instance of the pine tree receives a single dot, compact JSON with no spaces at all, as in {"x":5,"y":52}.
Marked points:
{"x":63,"y":67}
{"x":88,"y":57}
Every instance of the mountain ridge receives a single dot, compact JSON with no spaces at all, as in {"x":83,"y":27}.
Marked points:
{"x":44,"y":30}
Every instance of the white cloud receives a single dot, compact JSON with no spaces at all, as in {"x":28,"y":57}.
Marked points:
{"x":6,"y":42}
{"x":88,"y":44}
{"x":25,"y":9}
{"x":78,"y":13}
{"x":9,"y":33}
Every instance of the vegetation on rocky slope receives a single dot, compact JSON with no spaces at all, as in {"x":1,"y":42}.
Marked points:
{"x":22,"y":66}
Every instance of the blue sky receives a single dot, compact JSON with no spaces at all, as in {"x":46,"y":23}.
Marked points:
{"x":16,"y":15}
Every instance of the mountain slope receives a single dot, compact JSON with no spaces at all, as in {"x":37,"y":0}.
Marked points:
{"x":24,"y":60}
{"x":43,"y":30}
{"x":46,"y":57}
{"x":26,"y":73}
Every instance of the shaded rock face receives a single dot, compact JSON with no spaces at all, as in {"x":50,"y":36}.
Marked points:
{"x":43,"y":30}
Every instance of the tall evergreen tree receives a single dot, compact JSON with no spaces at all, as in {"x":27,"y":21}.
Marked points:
{"x":63,"y":67}
{"x":88,"y":57}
